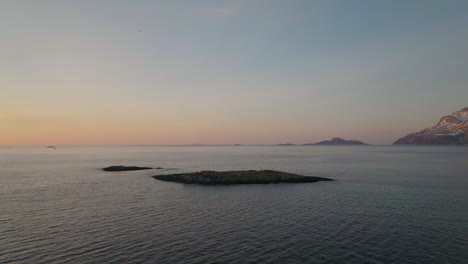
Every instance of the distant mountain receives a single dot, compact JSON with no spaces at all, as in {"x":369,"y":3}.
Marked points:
{"x":287,"y":144}
{"x":338,"y":141}
{"x":451,"y":130}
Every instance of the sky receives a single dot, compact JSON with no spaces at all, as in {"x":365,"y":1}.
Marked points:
{"x":228,"y":72}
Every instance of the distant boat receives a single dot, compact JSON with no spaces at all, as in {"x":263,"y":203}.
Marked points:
{"x":51,"y":147}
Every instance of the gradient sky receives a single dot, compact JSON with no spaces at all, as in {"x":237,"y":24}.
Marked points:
{"x":225,"y":72}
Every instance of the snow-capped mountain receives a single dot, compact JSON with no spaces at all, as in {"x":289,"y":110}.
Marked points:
{"x":451,"y":130}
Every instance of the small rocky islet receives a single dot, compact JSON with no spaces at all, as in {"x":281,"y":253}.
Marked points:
{"x":238,"y":177}
{"x":126,"y":168}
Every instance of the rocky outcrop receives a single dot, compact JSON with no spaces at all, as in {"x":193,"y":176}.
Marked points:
{"x":238,"y":177}
{"x":125,"y":168}
{"x":337,"y":141}
{"x":450,"y":130}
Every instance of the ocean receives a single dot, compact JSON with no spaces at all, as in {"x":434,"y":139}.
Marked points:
{"x":388,"y":204}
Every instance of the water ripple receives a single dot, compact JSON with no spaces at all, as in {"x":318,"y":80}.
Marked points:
{"x":379,"y":211}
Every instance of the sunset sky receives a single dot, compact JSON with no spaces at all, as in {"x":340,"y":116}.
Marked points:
{"x":226,"y":72}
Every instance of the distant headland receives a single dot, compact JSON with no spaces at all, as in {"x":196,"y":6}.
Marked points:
{"x":450,"y":130}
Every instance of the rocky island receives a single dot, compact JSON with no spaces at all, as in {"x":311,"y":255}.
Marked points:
{"x":238,"y":177}
{"x":337,"y":141}
{"x":125,"y":168}
{"x":450,"y":130}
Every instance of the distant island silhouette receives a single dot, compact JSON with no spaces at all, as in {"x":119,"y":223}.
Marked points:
{"x":337,"y":141}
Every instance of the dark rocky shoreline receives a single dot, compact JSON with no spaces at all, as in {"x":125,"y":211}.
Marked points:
{"x":238,"y":177}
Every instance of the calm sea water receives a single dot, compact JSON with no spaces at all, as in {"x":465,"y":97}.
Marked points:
{"x":389,"y":204}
